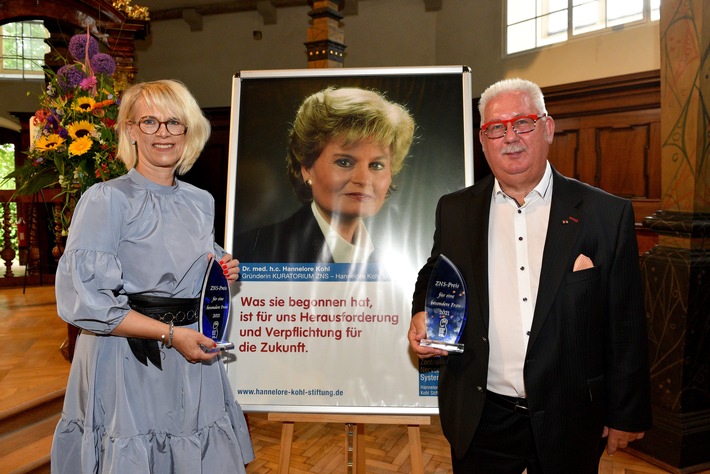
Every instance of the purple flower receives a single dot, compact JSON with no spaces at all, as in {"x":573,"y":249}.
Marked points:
{"x":70,"y":77}
{"x":64,"y":133}
{"x":52,"y":122}
{"x":77,"y":46}
{"x":102,"y":63}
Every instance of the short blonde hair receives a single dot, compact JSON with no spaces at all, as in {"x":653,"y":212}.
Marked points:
{"x":350,"y":114}
{"x":175,"y":99}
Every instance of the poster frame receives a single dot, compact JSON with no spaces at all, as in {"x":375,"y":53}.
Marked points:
{"x":231,"y":207}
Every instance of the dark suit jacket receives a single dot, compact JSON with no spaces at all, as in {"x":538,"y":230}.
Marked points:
{"x":586,"y":365}
{"x":296,"y":239}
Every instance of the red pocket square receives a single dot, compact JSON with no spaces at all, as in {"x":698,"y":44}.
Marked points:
{"x":582,"y":263}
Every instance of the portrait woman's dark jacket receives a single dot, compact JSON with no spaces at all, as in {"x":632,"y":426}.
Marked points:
{"x":298,"y":238}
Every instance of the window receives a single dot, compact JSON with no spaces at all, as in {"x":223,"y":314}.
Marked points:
{"x":7,"y":165}
{"x":535,"y":23}
{"x":22,"y":49}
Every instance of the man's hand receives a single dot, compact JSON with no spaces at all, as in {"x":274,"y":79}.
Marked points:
{"x":619,"y":439}
{"x":417,"y":332}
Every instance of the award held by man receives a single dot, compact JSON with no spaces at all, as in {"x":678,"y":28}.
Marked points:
{"x":214,"y":307}
{"x":445,"y":306}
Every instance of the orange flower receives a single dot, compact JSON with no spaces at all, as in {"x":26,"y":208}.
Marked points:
{"x":104,"y":103}
{"x":39,"y":117}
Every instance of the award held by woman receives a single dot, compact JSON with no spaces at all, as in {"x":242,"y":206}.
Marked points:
{"x":445,"y":307}
{"x":214,"y":307}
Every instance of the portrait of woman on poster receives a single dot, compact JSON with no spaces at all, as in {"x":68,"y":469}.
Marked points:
{"x":344,"y":148}
{"x":144,"y":394}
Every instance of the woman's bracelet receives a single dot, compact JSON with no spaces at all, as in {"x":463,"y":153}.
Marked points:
{"x":169,"y":344}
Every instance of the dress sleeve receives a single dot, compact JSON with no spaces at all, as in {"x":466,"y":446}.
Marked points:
{"x":219,"y":252}
{"x":89,"y":275}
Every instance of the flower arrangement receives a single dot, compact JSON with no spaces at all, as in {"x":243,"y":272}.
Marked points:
{"x":74,"y":138}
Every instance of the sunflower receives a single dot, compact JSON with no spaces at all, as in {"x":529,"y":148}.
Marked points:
{"x":49,"y":142}
{"x":80,"y":146}
{"x":80,"y":129}
{"x":84,"y":104}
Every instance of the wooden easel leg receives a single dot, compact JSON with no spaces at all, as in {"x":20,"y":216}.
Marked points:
{"x":354,"y":438}
{"x":355,"y":448}
{"x":286,"y":440}
{"x":415,"y":449}
{"x":359,"y":449}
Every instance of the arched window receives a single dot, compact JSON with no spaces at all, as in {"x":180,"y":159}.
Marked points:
{"x":22,"y":49}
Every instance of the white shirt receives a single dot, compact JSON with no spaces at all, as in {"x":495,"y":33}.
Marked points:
{"x":342,"y":250}
{"x":516,"y":240}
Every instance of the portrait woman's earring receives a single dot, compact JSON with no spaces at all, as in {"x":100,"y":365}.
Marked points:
{"x":309,"y":183}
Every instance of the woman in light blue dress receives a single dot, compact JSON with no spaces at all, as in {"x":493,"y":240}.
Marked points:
{"x":144,"y":396}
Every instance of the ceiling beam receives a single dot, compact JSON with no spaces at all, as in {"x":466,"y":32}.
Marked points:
{"x":192,"y":18}
{"x":267,"y":10}
{"x":432,"y":5}
{"x":350,"y":8}
{"x":219,"y":8}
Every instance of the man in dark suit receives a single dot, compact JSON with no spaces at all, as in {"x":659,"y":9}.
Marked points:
{"x":555,"y":365}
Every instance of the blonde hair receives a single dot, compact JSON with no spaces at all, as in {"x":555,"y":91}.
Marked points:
{"x":175,"y":99}
{"x":350,"y":114}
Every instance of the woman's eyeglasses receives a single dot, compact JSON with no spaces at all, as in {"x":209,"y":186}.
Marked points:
{"x":151,"y":125}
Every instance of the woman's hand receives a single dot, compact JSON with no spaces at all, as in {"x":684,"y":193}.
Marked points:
{"x":190,"y":344}
{"x":417,"y":332}
{"x":185,"y":340}
{"x":230,"y":267}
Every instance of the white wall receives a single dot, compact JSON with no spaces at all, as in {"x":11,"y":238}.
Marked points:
{"x":18,"y":96}
{"x":382,"y":33}
{"x":625,"y":51}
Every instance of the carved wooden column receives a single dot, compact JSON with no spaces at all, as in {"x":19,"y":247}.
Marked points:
{"x":325,"y":45}
{"x":7,"y":253}
{"x":677,"y":270}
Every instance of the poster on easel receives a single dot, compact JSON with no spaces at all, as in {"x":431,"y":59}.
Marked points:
{"x":334,"y":176}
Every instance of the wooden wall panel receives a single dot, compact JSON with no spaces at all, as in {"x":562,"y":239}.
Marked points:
{"x":608,"y":134}
{"x":619,"y":152}
{"x":564,"y":153}
{"x":621,"y":160}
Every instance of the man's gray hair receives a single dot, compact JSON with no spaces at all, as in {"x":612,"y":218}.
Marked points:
{"x":528,"y":88}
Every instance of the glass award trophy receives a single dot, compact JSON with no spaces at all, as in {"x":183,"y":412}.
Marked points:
{"x":214,"y":307}
{"x":445,"y":307}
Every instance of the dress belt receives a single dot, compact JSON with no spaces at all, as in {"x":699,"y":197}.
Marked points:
{"x":518,"y":405}
{"x":179,"y":311}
